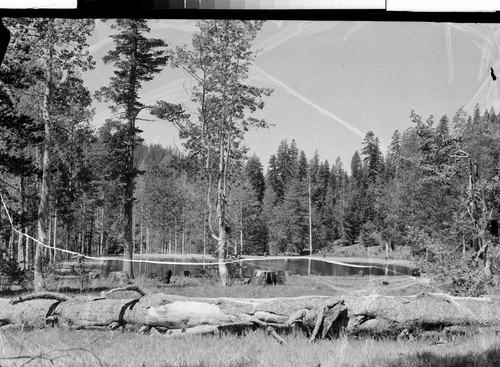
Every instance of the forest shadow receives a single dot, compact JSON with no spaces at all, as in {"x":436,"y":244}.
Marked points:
{"x":488,"y":358}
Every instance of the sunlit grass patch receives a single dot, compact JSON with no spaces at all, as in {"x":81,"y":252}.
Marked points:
{"x":256,"y":348}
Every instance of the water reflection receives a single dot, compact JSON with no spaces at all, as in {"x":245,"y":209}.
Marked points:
{"x":295,"y":266}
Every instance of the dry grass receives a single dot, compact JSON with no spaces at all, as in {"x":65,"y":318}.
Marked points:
{"x":295,"y":286}
{"x":93,"y":348}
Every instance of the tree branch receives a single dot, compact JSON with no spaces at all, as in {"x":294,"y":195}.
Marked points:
{"x":42,"y":295}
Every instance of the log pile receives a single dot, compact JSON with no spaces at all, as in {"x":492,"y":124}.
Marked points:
{"x":318,"y":316}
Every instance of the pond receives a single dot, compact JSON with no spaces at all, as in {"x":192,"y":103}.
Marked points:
{"x":159,"y":266}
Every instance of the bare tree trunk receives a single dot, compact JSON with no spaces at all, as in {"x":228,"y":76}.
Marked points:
{"x":43,"y":207}
{"x":27,"y":258}
{"x":79,"y":242}
{"x":170,"y":241}
{"x":91,"y":235}
{"x":205,"y":237}
{"x":48,"y":250}
{"x":134,"y":224}
{"x":68,"y":239}
{"x":10,"y":246}
{"x":141,"y":229}
{"x":221,"y":217}
{"x":20,"y":248}
{"x":183,"y":234}
{"x":55,"y":237}
{"x":241,"y":228}
{"x":22,"y":226}
{"x":175,"y":236}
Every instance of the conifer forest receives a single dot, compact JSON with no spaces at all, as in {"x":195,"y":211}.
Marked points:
{"x":98,"y":189}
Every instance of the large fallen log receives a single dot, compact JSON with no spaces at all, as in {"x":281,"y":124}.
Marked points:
{"x":317,"y":316}
{"x":26,"y":315}
{"x":389,"y":316}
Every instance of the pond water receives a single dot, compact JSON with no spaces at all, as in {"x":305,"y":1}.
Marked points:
{"x":293,"y":265}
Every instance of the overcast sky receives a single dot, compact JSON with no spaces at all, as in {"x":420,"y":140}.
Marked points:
{"x":334,"y":81}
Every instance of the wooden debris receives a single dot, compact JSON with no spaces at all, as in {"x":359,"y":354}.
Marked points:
{"x":42,"y":295}
{"x":267,"y":277}
{"x":320,"y":317}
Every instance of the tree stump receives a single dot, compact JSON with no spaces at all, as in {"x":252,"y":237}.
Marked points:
{"x":265,"y":277}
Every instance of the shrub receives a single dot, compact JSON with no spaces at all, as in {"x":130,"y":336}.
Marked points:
{"x":443,"y":264}
{"x":341,"y":242}
{"x":10,"y":272}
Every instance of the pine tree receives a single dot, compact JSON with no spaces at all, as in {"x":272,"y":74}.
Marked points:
{"x":302,"y":166}
{"x":136,"y":60}
{"x":253,"y":170}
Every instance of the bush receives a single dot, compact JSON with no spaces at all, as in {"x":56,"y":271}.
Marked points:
{"x":10,"y":268}
{"x":443,"y":264}
{"x":10,"y":274}
{"x":341,"y":242}
{"x":368,"y":236}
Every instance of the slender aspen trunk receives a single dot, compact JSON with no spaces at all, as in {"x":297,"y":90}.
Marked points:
{"x":148,"y":245}
{"x":54,"y":240}
{"x":134,"y":224}
{"x":183,"y":235}
{"x":27,"y":258}
{"x":68,"y":239}
{"x":221,"y":216}
{"x":91,"y":235}
{"x":141,"y":228}
{"x":80,"y":241}
{"x":103,"y":240}
{"x":175,"y":236}
{"x":20,"y":248}
{"x":22,"y":227}
{"x":241,"y":229}
{"x":48,"y":250}
{"x":10,"y":246}
{"x":205,"y":236}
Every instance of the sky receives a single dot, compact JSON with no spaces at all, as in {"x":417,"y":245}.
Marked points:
{"x":334,"y":81}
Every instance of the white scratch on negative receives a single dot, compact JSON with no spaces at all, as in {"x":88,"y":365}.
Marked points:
{"x":320,"y":109}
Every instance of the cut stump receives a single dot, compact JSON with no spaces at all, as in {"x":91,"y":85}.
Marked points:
{"x":267,"y":277}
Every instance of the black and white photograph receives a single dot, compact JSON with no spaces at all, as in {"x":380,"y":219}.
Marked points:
{"x":238,"y":191}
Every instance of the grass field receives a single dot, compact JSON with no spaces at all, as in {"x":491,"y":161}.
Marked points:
{"x":107,"y":348}
{"x":53,"y":347}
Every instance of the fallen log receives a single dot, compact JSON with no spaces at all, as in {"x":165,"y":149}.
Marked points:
{"x":309,"y":313}
{"x":389,"y":316}
{"x":318,"y":316}
{"x":127,"y":288}
{"x":42,"y":295}
{"x":85,"y":314}
{"x":25,"y":315}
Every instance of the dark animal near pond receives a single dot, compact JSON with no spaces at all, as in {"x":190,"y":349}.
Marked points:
{"x":168,"y":276}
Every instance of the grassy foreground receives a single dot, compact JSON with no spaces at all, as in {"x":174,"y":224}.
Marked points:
{"x":106,"y":348}
{"x":53,"y":347}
